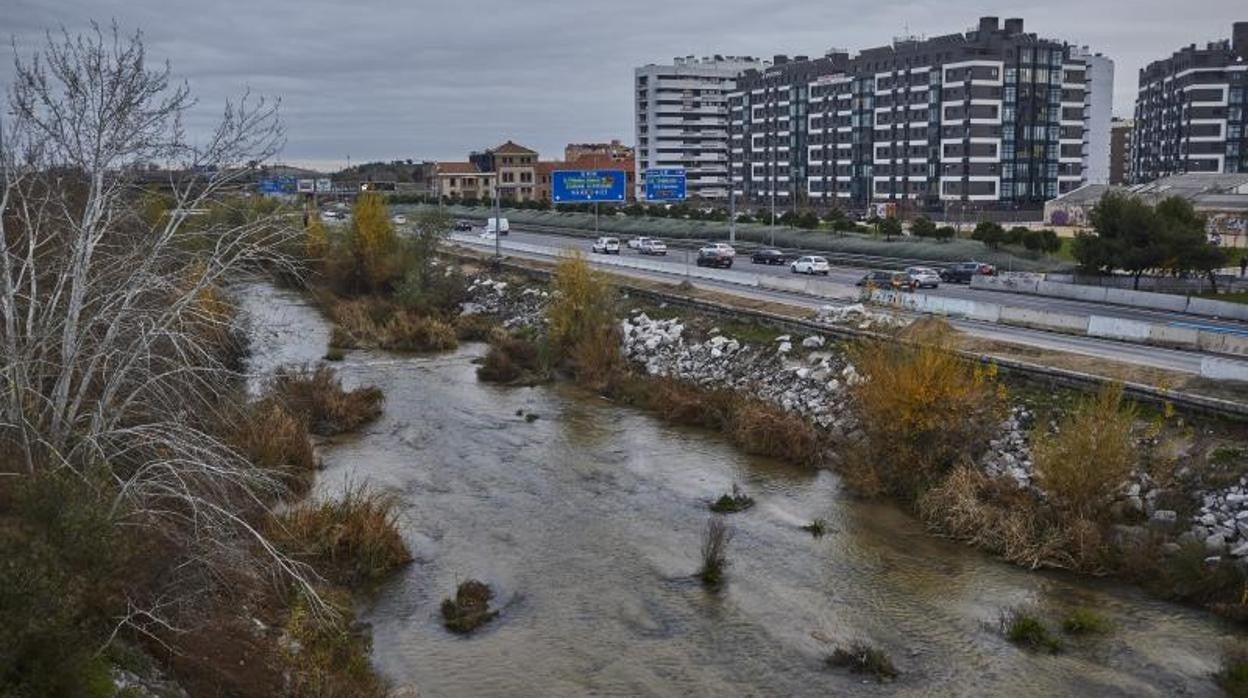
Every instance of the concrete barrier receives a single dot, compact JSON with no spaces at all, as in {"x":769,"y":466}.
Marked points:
{"x":1223,"y":369}
{"x":1219,"y":309}
{"x":1118,"y":328}
{"x":1171,"y":336}
{"x":1089,"y":294}
{"x":1041,"y":320}
{"x":1008,"y":284}
{"x":1222,"y":343}
{"x":1141,"y":299}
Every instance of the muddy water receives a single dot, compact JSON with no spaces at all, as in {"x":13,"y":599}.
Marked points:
{"x":588,"y":521}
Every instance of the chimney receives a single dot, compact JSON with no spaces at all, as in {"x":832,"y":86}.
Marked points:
{"x":1239,"y":39}
{"x":987,"y":25}
{"x":1014,"y":26}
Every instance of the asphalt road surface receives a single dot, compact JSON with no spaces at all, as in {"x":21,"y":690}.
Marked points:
{"x":678,"y":257}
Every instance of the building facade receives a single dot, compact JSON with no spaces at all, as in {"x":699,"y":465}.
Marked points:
{"x":462,"y":180}
{"x":1190,"y":111}
{"x":1120,"y":151}
{"x":994,"y":117}
{"x":682,"y":120}
{"x":1098,"y":116}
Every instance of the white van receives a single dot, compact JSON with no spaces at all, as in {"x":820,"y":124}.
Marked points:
{"x":497,"y":225}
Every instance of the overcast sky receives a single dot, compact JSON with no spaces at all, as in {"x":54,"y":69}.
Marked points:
{"x":373,"y":80}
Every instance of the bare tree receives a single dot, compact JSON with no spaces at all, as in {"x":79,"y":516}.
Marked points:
{"x":109,"y":323}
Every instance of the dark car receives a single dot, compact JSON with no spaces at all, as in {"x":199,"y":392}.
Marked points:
{"x":963,"y":272}
{"x":463,"y":225}
{"x":769,"y":257}
{"x":714,"y":257}
{"x":896,"y":280}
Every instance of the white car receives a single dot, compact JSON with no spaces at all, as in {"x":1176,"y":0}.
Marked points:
{"x":724,"y":248}
{"x":652,"y":246}
{"x":810,"y":265}
{"x":636,"y":243}
{"x":923,"y":277}
{"x":607,"y":246}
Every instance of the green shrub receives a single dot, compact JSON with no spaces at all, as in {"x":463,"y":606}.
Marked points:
{"x":1233,"y":676}
{"x":864,"y":658}
{"x":1022,"y":627}
{"x":469,"y":609}
{"x":1084,"y":621}
{"x":732,"y":503}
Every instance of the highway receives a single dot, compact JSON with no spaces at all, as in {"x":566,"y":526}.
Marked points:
{"x":675,"y":265}
{"x":850,"y":275}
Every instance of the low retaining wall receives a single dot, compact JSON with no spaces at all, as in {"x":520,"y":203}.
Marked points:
{"x":1157,"y":334}
{"x":1205,"y":307}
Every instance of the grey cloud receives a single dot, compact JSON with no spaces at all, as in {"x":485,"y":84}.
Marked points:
{"x":390,"y":79}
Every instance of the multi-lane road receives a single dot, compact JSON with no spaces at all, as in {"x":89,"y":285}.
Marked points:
{"x":680,"y":257}
{"x":545,"y":245}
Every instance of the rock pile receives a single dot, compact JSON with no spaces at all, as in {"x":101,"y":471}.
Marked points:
{"x":814,"y":386}
{"x":858,"y":316}
{"x":514,"y":307}
{"x":1222,"y":521}
{"x":1009,"y":455}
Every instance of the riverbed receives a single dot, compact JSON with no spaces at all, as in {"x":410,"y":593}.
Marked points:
{"x":587,"y":522}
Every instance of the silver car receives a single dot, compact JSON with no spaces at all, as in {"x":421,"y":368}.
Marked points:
{"x":923,"y":277}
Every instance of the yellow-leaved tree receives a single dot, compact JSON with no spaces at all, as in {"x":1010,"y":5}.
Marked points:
{"x":315,"y":238}
{"x":373,"y":242}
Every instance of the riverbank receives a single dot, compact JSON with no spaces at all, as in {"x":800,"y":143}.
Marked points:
{"x":587,"y":520}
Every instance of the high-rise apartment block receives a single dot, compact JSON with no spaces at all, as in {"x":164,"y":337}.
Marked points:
{"x":1190,"y":111}
{"x":1120,"y":151}
{"x":994,"y":115}
{"x":682,"y":119}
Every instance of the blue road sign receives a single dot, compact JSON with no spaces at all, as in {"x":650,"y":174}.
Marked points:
{"x":665,"y":185}
{"x":587,"y":186}
{"x":278,"y":185}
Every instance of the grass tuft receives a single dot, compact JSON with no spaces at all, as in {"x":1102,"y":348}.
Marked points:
{"x":1091,"y":453}
{"x":732,"y":503}
{"x":817,"y":528}
{"x":335,"y":354}
{"x":1022,"y":627}
{"x":863,"y":658}
{"x":1085,"y":621}
{"x":275,"y":439}
{"x":352,"y":540}
{"x":316,"y":395}
{"x":715,"y":553}
{"x":469,"y":609}
{"x":513,"y":361}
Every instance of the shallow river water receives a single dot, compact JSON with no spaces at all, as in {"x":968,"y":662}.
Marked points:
{"x":587,"y":522}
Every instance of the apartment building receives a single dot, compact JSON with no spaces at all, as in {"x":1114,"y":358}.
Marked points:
{"x":682,"y":120}
{"x":995,"y":116}
{"x":1098,"y":116}
{"x":767,"y":128}
{"x":1189,"y":112}
{"x":1120,"y":151}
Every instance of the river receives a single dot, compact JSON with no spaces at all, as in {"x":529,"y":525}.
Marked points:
{"x":587,"y":523}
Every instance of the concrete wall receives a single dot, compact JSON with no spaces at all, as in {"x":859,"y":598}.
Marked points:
{"x":1223,"y":369}
{"x":1205,"y":307}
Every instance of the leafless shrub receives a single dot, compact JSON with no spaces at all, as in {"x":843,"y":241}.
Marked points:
{"x":111,"y":312}
{"x":715,"y":553}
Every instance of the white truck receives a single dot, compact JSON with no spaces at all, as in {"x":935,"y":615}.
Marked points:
{"x":498,"y":226}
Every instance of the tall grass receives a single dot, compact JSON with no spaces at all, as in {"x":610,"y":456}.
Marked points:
{"x":1024,"y":627}
{"x":864,"y":658}
{"x":353,"y":539}
{"x":317,"y":397}
{"x":326,"y":656}
{"x":923,"y":410}
{"x":273,"y":438}
{"x":582,"y":331}
{"x":513,"y":360}
{"x":999,"y":517}
{"x":1090,"y":455}
{"x":715,"y":553}
{"x":373,"y":322}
